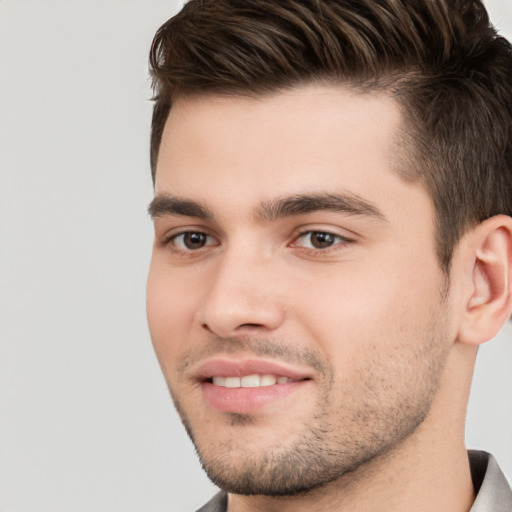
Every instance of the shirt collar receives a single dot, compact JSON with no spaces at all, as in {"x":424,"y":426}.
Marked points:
{"x":491,"y":486}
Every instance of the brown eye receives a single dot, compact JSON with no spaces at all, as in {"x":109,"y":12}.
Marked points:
{"x":192,"y":240}
{"x":319,"y":240}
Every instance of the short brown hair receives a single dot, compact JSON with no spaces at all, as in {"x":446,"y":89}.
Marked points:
{"x":441,"y":59}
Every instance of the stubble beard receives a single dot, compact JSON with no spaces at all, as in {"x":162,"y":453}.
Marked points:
{"x":374,"y":417}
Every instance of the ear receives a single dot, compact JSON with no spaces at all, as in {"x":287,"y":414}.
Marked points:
{"x":487,"y":296}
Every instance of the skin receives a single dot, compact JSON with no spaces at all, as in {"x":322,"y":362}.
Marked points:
{"x":369,"y":318}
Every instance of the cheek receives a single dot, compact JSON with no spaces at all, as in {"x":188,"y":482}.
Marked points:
{"x":170,"y":307}
{"x":363,"y":307}
{"x":370,"y":333}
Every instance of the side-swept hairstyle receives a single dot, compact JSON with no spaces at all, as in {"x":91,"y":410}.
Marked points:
{"x":440,"y":59}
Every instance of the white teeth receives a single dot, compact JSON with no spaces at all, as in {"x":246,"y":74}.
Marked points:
{"x":268,"y":380}
{"x":232,"y":382}
{"x":250,"y":381}
{"x":219,"y":381}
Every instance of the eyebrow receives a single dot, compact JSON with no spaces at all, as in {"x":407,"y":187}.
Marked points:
{"x":165,"y":204}
{"x":301,"y":204}
{"x":268,"y":211}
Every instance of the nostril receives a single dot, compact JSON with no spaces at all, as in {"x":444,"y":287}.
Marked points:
{"x":241,"y":326}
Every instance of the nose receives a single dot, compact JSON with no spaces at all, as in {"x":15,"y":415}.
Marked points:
{"x":242,"y":297}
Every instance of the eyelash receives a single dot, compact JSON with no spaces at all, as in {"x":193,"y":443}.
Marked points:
{"x":312,"y":251}
{"x":170,"y":242}
{"x":339,"y":243}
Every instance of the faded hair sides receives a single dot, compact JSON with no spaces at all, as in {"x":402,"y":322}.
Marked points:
{"x":440,"y":59}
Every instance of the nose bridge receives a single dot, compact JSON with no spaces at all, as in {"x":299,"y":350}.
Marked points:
{"x":242,"y":293}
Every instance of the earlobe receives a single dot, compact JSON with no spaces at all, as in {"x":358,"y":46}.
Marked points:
{"x":488,"y":299}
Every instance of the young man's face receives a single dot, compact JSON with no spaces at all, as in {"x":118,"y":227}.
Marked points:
{"x":290,"y":256}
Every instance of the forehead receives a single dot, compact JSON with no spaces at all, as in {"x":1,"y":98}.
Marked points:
{"x":237,"y":150}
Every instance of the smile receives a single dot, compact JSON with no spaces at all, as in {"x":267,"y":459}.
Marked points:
{"x":250,"y":385}
{"x":250,"y":381}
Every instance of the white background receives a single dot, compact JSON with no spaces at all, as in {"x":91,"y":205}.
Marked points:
{"x":86,"y":422}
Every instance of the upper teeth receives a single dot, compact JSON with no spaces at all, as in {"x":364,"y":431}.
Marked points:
{"x":249,"y":381}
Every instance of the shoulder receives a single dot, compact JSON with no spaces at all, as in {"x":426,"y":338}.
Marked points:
{"x":218,"y":503}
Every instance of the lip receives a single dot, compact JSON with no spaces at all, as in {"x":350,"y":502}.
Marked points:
{"x":248,"y":400}
{"x":225,"y":367}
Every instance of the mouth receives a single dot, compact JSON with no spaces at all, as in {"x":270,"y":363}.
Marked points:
{"x":249,"y":381}
{"x":247,"y":386}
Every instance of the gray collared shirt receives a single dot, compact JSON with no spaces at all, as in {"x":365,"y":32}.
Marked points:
{"x":493,"y":493}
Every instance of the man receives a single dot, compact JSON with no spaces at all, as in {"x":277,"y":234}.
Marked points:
{"x":333,"y":241}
